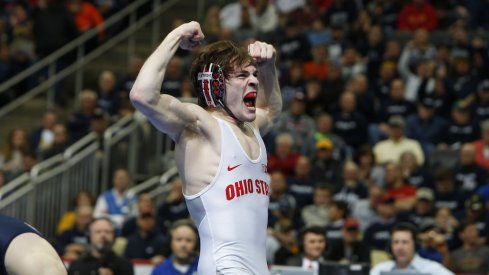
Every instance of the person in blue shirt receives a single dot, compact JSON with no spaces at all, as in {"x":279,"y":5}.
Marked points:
{"x":184,"y":258}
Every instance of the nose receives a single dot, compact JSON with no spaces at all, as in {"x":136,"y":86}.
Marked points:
{"x":253,"y":81}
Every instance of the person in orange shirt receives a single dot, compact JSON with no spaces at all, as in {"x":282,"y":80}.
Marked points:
{"x":482,"y":146}
{"x":87,"y":17}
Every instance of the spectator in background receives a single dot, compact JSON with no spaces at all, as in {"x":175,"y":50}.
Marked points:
{"x":397,"y":188}
{"x":461,"y":82}
{"x":426,"y":127}
{"x":378,"y":233}
{"x":301,"y":183}
{"x":472,"y":256}
{"x":447,"y":223}
{"x":264,"y":18}
{"x":333,"y":86}
{"x":404,"y":250}
{"x":423,"y":212}
{"x":284,"y":159}
{"x":100,"y":259}
{"x":418,"y":14}
{"x":72,"y":243}
{"x":385,"y":14}
{"x":338,"y":212}
{"x":391,"y":149}
{"x":462,"y":128}
{"x":381,"y":85}
{"x":131,"y":225}
{"x":282,"y":242}
{"x":482,"y":146}
{"x":108,"y":7}
{"x":87,"y":17}
{"x":369,"y":171}
{"x":352,"y":63}
{"x":468,"y":176}
{"x":184,"y":247}
{"x":351,"y":188}
{"x":78,"y":123}
{"x":118,"y":203}
{"x":373,"y":49}
{"x":315,"y":100}
{"x":326,"y":167}
{"x":67,"y":220}
{"x":282,"y":204}
{"x":364,"y":97}
{"x":292,"y":83}
{"x":318,"y":66}
{"x":349,"y":249}
{"x":212,"y":24}
{"x":317,"y":213}
{"x":11,"y":157}
{"x":293,"y":44}
{"x":147,"y":242}
{"x":323,"y":130}
{"x":60,"y":142}
{"x":173,"y":208}
{"x":480,"y":107}
{"x":107,"y":97}
{"x":313,"y":250}
{"x":475,"y":212}
{"x":41,"y":138}
{"x":413,"y":173}
{"x":394,"y":104}
{"x":349,"y":124}
{"x":51,"y":19}
{"x":365,"y":210}
{"x":446,"y":193}
{"x":99,"y":122}
{"x":298,"y":124}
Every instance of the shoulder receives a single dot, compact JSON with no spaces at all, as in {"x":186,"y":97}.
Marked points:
{"x":383,"y":266}
{"x":431,"y":266}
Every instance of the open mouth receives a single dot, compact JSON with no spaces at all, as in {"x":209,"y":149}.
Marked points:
{"x":250,"y":100}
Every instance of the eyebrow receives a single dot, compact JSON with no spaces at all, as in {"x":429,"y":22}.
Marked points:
{"x":245,"y":72}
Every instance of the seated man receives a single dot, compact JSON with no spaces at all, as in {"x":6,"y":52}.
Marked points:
{"x":313,"y":248}
{"x":24,"y":252}
{"x":72,"y":242}
{"x":100,"y":258}
{"x":403,"y":248}
{"x":183,"y":259}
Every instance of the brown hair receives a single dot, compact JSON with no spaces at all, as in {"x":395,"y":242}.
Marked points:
{"x":224,"y":53}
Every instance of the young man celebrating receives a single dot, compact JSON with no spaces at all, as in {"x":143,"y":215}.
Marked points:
{"x":219,"y":153}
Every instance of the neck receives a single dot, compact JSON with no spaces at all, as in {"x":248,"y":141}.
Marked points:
{"x":182,"y":261}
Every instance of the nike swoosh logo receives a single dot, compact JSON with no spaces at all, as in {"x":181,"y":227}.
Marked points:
{"x":231,"y":168}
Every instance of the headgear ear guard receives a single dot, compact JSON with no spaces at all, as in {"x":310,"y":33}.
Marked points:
{"x":212,"y":88}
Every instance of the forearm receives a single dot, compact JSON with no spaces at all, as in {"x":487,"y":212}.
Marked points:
{"x":269,"y":96}
{"x":147,"y":86}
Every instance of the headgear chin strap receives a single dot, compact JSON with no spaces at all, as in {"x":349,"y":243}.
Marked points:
{"x":212,"y":87}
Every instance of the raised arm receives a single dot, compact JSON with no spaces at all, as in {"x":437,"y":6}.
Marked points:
{"x":269,"y":100}
{"x":166,"y":112}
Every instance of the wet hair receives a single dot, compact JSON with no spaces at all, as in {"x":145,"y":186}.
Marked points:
{"x":226,"y":54}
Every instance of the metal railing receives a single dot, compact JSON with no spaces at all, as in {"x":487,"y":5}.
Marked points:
{"x":41,"y":196}
{"x":156,"y":186}
{"x":132,"y":143}
{"x":49,"y":63}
